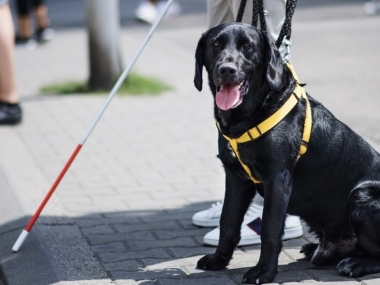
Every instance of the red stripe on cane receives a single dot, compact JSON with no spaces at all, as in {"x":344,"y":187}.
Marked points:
{"x":52,"y":189}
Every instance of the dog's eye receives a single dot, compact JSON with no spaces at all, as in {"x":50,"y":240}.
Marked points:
{"x":247,"y":44}
{"x":216,"y":44}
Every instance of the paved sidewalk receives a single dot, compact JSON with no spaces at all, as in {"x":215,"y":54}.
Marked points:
{"x":122,"y":214}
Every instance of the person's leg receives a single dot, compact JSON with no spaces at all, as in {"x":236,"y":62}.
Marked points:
{"x":24,"y":20}
{"x":222,"y":11}
{"x":10,"y":112}
{"x":247,"y":16}
{"x":41,"y":12}
{"x":218,"y":12}
{"x":44,"y":32}
{"x":24,"y":36}
{"x":275,"y":19}
{"x":8,"y":91}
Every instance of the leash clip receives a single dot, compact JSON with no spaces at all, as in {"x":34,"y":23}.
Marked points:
{"x":288,"y":43}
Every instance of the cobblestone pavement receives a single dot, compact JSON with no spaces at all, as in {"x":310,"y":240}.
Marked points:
{"x":122,"y":214}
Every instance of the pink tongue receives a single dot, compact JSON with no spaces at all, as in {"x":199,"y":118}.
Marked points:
{"x":227,"y":97}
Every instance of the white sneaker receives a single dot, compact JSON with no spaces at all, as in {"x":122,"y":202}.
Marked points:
{"x":28,"y":44}
{"x":209,"y":217}
{"x":251,"y":228}
{"x":173,"y":11}
{"x":149,"y":12}
{"x":45,"y":34}
{"x":372,"y":7}
{"x":146,"y":12}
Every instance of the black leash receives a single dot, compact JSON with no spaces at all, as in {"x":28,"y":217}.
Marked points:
{"x":286,"y":30}
{"x":240,"y":13}
{"x":258,"y":10}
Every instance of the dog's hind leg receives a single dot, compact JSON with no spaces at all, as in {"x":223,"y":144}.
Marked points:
{"x":239,"y":194}
{"x":365,"y":216}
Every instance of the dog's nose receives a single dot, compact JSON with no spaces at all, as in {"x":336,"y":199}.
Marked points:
{"x":227,"y":69}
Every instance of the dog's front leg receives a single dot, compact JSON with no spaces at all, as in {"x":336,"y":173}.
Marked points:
{"x":238,"y":196}
{"x":274,"y":214}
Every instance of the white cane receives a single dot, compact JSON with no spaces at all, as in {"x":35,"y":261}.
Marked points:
{"x":20,"y":240}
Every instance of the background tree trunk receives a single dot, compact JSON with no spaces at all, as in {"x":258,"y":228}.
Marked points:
{"x":103,"y":25}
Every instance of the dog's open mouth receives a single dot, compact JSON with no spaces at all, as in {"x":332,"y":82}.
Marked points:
{"x":230,"y":96}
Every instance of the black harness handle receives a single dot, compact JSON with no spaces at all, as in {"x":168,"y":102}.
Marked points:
{"x":258,"y":9}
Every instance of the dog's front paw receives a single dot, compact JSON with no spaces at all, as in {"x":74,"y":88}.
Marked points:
{"x":309,"y":249}
{"x":212,"y":262}
{"x":352,"y":267}
{"x":260,"y":274}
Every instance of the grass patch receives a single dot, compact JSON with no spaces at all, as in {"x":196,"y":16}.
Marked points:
{"x":135,"y":84}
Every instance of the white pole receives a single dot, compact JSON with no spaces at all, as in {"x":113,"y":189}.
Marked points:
{"x":103,"y":28}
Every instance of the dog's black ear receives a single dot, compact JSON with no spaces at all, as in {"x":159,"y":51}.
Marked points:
{"x":275,"y":66}
{"x":198,"y":79}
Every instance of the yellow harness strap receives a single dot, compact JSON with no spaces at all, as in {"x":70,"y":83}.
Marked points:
{"x":272,"y":121}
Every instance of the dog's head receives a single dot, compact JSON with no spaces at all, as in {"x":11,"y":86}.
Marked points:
{"x":238,"y":57}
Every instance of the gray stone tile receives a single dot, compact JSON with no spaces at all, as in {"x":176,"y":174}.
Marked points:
{"x":142,"y":245}
{"x":157,"y":253}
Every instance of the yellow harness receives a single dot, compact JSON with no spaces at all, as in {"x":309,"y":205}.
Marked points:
{"x":272,"y":121}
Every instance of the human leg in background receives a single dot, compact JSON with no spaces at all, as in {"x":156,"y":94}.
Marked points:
{"x":10,"y":110}
{"x":224,"y":11}
{"x":44,"y":32}
{"x":275,"y":18}
{"x":218,"y":12}
{"x":24,"y":37}
{"x":24,"y":20}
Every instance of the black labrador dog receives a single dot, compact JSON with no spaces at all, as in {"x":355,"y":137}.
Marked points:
{"x":334,"y":187}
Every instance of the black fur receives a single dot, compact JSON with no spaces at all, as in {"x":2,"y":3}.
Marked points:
{"x":334,"y":187}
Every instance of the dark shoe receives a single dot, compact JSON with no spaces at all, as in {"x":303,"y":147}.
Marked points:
{"x":27,"y":43}
{"x":10,"y":114}
{"x":44,"y":35}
